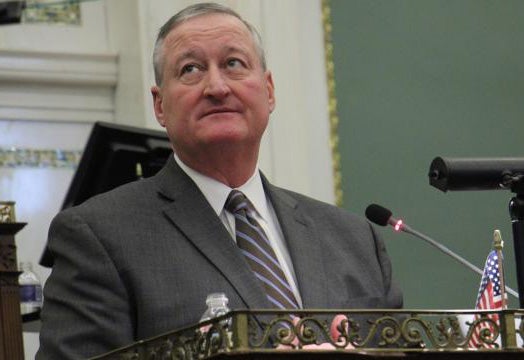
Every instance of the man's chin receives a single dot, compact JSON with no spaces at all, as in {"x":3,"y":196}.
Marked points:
{"x":226,"y":140}
{"x":224,"y":132}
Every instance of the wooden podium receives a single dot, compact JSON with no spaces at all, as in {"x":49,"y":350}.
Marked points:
{"x":11,"y":341}
{"x":362,"y":334}
{"x":369,"y":355}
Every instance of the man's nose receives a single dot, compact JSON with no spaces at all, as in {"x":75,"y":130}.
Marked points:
{"x":216,"y":85}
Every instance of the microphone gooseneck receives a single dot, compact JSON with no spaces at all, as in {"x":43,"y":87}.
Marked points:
{"x":382,"y":216}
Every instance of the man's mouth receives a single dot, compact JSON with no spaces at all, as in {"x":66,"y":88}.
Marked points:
{"x":219,"y":110}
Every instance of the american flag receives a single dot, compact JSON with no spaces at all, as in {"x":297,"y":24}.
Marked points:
{"x":489,"y":298}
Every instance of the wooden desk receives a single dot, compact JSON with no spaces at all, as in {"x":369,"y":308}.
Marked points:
{"x":11,"y":341}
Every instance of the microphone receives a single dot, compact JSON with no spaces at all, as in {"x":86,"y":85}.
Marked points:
{"x":476,"y":174}
{"x":382,"y":216}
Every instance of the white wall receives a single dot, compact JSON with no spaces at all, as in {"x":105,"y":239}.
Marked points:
{"x":38,"y":192}
{"x":55,"y":80}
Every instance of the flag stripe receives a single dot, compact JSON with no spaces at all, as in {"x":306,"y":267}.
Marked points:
{"x":489,"y":298}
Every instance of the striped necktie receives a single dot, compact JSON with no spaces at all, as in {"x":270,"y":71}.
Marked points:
{"x":254,"y":244}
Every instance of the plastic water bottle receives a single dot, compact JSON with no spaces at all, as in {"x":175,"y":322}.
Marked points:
{"x":216,"y":306}
{"x":30,"y":289}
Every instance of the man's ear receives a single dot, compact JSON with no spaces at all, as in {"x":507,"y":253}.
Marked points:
{"x":270,"y":91}
{"x":158,"y":105}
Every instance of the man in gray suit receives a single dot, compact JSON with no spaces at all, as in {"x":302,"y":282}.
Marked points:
{"x":141,"y":259}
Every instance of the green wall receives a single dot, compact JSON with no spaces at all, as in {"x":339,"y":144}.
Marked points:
{"x":416,"y":79}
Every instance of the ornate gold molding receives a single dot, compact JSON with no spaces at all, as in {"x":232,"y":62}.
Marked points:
{"x":398,"y":333}
{"x":7,"y":212}
{"x":332,"y":101}
{"x":52,"y":12}
{"x":39,"y":158}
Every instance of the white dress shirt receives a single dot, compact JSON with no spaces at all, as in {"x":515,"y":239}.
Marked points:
{"x":216,"y":193}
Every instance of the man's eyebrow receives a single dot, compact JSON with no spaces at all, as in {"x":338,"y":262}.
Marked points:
{"x":242,"y":51}
{"x":232,"y":48}
{"x":188,"y":54}
{"x":195,"y":53}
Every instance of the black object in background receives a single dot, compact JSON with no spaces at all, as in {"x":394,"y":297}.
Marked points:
{"x":11,"y":11}
{"x":475,"y":173}
{"x":111,"y":158}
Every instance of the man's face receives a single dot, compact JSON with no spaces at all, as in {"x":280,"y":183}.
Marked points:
{"x":214,"y":89}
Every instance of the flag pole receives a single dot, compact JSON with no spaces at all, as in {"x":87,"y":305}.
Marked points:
{"x":498,"y":244}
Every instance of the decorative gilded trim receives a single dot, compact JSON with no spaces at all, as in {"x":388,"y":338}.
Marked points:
{"x":65,"y":12}
{"x":332,"y":102}
{"x":399,"y":333}
{"x":39,"y":158}
{"x":7,"y":212}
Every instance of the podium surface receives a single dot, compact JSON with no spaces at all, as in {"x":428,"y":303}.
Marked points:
{"x":366,"y":355}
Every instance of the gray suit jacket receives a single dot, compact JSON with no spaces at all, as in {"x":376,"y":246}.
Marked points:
{"x":141,"y":259}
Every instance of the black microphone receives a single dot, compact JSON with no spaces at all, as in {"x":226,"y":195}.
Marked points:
{"x":382,"y":216}
{"x":476,"y":174}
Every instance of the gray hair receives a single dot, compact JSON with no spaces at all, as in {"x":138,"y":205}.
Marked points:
{"x":191,"y":12}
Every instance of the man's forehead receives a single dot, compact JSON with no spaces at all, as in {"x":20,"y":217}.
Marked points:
{"x":196,"y":35}
{"x":213,"y":25}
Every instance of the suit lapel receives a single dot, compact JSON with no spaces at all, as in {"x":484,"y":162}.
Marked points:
{"x":304,"y":247}
{"x":190,"y":212}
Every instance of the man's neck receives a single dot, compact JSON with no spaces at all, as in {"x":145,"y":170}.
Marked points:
{"x":232,"y":169}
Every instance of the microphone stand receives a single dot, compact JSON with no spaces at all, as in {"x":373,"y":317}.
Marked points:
{"x":516,"y":211}
{"x":405,"y":228}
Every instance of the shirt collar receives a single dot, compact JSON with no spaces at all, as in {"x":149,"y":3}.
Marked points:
{"x":216,"y":193}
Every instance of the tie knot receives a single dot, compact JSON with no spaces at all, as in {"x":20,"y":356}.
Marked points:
{"x":237,"y":201}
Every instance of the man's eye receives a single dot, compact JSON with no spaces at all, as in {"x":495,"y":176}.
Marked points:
{"x":234,"y":63}
{"x":189,"y":68}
